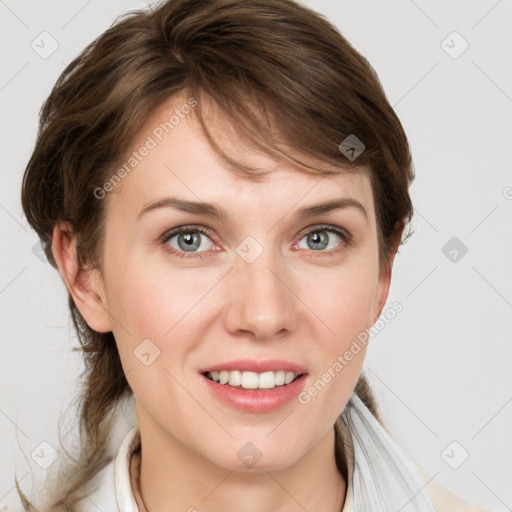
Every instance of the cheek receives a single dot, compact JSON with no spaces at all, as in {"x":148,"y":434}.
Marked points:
{"x":343,"y":300}
{"x":151,"y":307}
{"x":158,"y":304}
{"x":344,"y":306}
{"x":150,"y":298}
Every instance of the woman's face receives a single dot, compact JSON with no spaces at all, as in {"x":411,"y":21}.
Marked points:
{"x":268,"y":281}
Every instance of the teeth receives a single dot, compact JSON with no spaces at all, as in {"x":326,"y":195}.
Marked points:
{"x":252,"y":380}
{"x":235,"y":378}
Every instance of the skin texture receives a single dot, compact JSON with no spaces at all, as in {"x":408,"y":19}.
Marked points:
{"x":294,"y":302}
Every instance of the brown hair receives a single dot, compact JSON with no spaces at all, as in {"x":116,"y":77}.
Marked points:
{"x":302,"y":79}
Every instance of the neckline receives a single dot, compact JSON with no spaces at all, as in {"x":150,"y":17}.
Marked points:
{"x":131,"y":471}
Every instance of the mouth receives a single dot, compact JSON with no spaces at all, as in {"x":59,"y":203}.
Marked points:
{"x":253,"y":381}
{"x":255,"y":386}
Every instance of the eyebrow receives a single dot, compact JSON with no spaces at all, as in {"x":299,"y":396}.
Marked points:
{"x":209,"y":210}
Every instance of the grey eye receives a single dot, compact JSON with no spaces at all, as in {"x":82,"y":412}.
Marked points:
{"x":320,"y":240}
{"x":189,"y":241}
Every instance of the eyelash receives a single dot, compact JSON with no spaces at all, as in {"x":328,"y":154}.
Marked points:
{"x":345,"y":236}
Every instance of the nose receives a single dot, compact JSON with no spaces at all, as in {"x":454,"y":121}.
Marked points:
{"x":260,"y":300}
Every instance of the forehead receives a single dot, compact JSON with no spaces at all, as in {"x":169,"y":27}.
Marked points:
{"x":171,"y":155}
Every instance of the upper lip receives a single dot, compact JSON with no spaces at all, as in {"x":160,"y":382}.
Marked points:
{"x":251,"y":365}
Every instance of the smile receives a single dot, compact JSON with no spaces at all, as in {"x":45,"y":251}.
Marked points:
{"x":252,"y":380}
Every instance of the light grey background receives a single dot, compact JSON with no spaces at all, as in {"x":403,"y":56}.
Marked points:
{"x":442,"y":368}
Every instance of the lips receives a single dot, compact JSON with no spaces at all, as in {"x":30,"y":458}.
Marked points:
{"x":245,"y":393}
{"x":251,"y":365}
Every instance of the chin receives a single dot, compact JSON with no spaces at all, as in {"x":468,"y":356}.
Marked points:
{"x":246,"y":456}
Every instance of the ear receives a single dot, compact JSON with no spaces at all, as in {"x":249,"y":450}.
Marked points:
{"x":384,"y":282}
{"x":84,"y":285}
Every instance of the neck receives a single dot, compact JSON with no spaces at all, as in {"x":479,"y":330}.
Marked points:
{"x":175,"y":478}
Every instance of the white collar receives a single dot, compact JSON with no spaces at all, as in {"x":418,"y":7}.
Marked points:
{"x":124,"y":492}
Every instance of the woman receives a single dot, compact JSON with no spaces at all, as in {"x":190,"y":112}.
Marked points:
{"x":223,"y":187}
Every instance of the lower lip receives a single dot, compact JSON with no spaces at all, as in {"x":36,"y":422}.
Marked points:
{"x":251,"y":400}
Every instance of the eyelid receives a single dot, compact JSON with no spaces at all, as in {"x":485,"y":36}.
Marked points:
{"x":184,"y":229}
{"x":326,"y":227}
